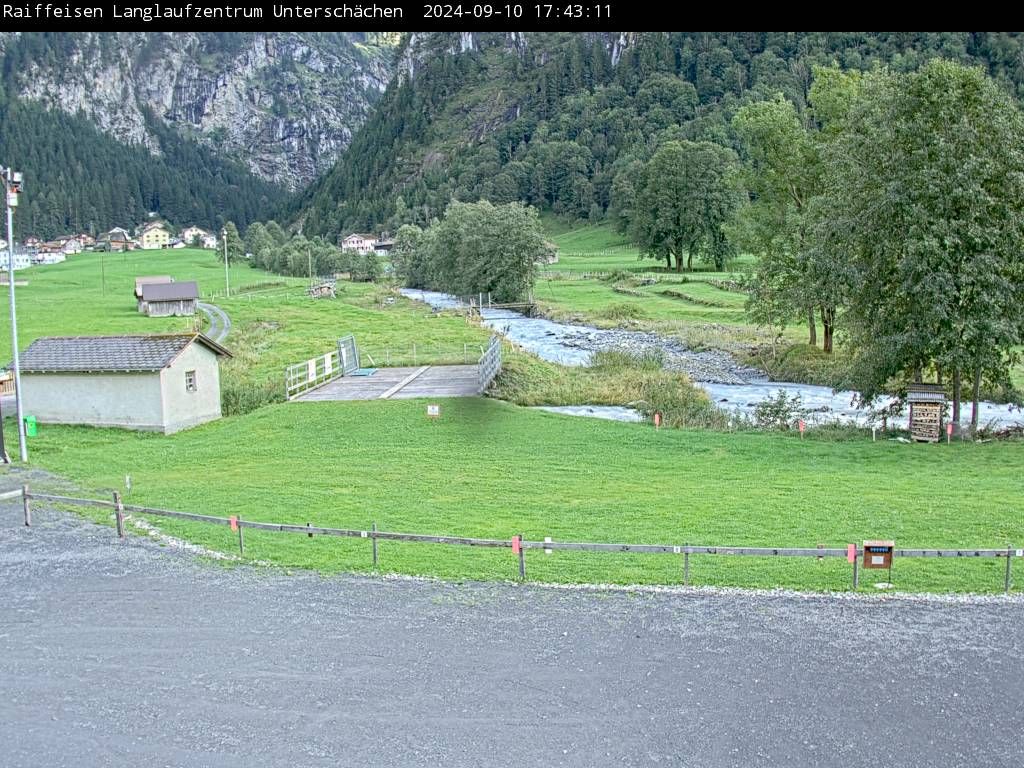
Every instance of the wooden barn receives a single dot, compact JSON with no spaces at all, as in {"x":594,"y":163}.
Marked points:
{"x":141,"y":281}
{"x":169,"y":299}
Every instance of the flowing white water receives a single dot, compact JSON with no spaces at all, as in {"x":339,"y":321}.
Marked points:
{"x":610,"y":412}
{"x":570,"y":344}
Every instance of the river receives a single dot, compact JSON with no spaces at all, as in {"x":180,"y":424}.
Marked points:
{"x":731,"y":386}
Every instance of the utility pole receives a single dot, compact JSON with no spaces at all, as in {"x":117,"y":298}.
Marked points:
{"x":227,"y":280}
{"x":12,"y":186}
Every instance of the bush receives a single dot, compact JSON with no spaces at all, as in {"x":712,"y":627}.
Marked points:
{"x":238,"y":396}
{"x":622,"y":311}
{"x":618,"y":377}
{"x":779,"y":412}
{"x":646,"y":360}
{"x":809,"y":365}
{"x":618,"y":276}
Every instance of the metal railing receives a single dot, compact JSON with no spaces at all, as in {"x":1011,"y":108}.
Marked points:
{"x":302,"y":377}
{"x":517,"y":543}
{"x":489,"y":364}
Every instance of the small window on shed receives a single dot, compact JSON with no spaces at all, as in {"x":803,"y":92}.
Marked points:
{"x":190,"y":381}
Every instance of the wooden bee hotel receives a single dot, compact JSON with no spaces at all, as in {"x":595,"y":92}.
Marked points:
{"x":927,"y":406}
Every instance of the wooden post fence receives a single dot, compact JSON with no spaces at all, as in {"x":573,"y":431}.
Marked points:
{"x":119,"y":515}
{"x":517,"y":543}
{"x":373,"y":529}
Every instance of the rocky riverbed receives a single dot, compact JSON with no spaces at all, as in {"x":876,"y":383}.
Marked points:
{"x":731,"y":386}
{"x":711,"y":366}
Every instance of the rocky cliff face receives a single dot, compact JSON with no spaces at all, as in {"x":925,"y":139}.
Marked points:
{"x":284,"y":104}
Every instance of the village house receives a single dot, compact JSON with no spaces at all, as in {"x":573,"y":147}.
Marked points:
{"x":117,"y":239}
{"x":383,"y":247}
{"x":162,"y":383}
{"x":49,"y":257}
{"x":169,"y":299}
{"x":154,"y":236}
{"x":361,"y":244}
{"x":22,"y":259}
{"x":191,"y":234}
{"x":50,"y":246}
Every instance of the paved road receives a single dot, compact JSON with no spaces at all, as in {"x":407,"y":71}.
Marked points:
{"x":220,"y":323}
{"x":133,"y":654}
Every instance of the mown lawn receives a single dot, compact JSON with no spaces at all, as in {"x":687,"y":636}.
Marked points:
{"x":599,"y":248}
{"x":92,"y":293}
{"x":598,"y":300}
{"x":274,"y":330}
{"x":492,"y":470}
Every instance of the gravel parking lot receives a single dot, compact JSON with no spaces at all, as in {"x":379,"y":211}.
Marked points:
{"x":135,"y":654}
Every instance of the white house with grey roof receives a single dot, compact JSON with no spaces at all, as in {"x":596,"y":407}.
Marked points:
{"x":162,"y":383}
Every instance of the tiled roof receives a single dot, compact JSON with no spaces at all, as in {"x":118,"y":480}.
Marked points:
{"x":77,"y":354}
{"x":170,"y":291}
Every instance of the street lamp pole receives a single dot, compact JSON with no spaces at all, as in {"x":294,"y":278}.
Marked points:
{"x":12,"y":186}
{"x":227,"y":280}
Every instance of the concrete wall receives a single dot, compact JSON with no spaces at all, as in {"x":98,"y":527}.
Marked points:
{"x":183,"y":409}
{"x":129,"y":400}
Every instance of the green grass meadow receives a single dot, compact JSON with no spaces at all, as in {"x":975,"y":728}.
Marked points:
{"x":490,"y":469}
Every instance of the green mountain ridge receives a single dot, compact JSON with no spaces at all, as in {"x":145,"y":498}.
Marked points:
{"x":563,"y":120}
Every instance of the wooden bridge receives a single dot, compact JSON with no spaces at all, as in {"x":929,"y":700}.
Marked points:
{"x":401,"y":383}
{"x":327,"y":378}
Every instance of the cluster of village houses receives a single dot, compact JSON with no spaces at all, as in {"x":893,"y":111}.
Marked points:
{"x":150,"y":236}
{"x":164,"y":382}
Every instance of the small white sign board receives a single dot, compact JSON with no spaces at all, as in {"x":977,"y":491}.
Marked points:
{"x":434,"y":411}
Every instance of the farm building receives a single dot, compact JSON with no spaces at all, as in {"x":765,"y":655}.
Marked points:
{"x":167,"y":299}
{"x":157,"y":383}
{"x":140,"y":281}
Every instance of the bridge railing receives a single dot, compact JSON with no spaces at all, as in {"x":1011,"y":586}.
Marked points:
{"x":489,"y":364}
{"x":302,"y":377}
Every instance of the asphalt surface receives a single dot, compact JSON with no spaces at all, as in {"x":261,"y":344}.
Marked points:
{"x":136,"y":654}
{"x":220,"y":323}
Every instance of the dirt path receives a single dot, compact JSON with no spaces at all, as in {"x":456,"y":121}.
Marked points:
{"x":220,"y":323}
{"x":135,"y":654}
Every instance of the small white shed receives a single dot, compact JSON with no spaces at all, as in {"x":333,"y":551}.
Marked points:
{"x":162,"y":383}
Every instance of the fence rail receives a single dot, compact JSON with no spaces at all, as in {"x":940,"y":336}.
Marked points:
{"x":301,"y":377}
{"x":518,"y":544}
{"x":489,"y":364}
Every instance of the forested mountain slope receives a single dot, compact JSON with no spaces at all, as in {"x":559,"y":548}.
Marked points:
{"x":282,"y":104}
{"x":562,"y":120}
